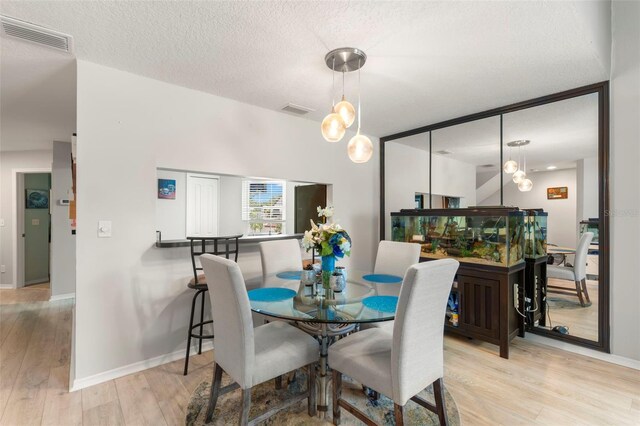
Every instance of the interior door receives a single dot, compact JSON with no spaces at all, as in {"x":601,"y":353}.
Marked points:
{"x":202,"y":206}
{"x":307,"y":200}
{"x":37,"y":227}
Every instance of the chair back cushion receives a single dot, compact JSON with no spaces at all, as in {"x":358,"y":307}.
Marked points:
{"x":580,"y":262}
{"x":279,"y":256}
{"x":232,"y":323}
{"x":394,"y":258}
{"x":417,"y":351}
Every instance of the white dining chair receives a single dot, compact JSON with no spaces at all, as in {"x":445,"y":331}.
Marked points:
{"x":576,"y":273}
{"x":393,"y":258}
{"x":279,"y":256}
{"x":403,"y":363}
{"x":251,"y":355}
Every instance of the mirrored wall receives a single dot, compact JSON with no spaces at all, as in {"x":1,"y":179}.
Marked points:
{"x":547,"y":156}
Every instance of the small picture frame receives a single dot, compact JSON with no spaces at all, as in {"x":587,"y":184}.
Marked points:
{"x":37,"y":199}
{"x":557,"y":193}
{"x":167,"y":189}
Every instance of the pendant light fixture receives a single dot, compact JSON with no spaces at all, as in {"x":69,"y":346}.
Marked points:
{"x":360,"y":148}
{"x":345,"y":109}
{"x":333,"y":126}
{"x":510,"y":166}
{"x":519,"y":174}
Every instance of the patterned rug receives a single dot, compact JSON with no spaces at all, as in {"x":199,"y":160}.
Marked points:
{"x":265,"y":396}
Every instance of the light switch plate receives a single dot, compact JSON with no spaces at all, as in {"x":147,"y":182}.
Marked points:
{"x":35,"y":222}
{"x":104,"y":229}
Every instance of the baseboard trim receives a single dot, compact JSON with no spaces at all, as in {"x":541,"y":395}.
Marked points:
{"x":610,"y":358}
{"x":7,"y":287}
{"x":134,"y":368}
{"x":62,"y":297}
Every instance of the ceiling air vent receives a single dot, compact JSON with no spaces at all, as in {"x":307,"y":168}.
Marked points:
{"x":296,"y":109}
{"x":444,"y":152}
{"x":22,"y":30}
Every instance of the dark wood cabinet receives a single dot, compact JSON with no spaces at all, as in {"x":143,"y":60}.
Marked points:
{"x":486,"y":304}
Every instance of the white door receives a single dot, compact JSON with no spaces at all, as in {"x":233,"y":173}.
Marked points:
{"x":202,"y":206}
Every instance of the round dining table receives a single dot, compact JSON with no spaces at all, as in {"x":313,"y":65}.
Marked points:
{"x":326,"y":313}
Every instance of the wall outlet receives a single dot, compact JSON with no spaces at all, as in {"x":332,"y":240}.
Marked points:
{"x":516,"y":295}
{"x":3,"y":268}
{"x":104,"y":229}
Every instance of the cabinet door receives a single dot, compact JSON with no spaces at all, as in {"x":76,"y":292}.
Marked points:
{"x":480,"y":310}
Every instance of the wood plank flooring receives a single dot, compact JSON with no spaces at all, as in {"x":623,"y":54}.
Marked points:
{"x":539,"y":385}
{"x":581,"y":321}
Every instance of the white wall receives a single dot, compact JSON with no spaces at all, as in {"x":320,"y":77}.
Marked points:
{"x":562,"y":226}
{"x":132,"y":302}
{"x":9,"y":162}
{"x":625,"y":175}
{"x":63,"y":243}
{"x":407,"y":172}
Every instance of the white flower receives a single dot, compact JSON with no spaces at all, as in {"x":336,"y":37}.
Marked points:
{"x":308,"y":240}
{"x":328,"y":212}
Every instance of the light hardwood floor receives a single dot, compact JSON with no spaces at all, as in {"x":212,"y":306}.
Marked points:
{"x":581,"y":321}
{"x":538,"y":385}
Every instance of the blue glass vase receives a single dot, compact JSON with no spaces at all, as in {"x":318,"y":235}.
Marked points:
{"x":328,"y":266}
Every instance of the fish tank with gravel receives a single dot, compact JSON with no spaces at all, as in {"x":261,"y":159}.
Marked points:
{"x":492,"y":236}
{"x":536,"y":234}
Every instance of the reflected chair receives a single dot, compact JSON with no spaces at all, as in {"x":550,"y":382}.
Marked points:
{"x":576,"y":273}
{"x":403,"y":363}
{"x":222,"y":246}
{"x":280,"y":256}
{"x":252,"y":355}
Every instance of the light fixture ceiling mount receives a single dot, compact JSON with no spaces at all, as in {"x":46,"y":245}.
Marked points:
{"x":345,"y":59}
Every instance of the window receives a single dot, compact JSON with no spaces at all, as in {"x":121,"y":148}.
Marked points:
{"x":263,"y":206}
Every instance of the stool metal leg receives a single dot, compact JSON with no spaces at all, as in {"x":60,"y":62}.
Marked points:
{"x":193,"y":308}
{"x":202,"y":293}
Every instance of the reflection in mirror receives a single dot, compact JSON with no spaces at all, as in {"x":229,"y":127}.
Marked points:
{"x":202,"y":204}
{"x":466,"y":163}
{"x":406,"y":175}
{"x":562,"y":165}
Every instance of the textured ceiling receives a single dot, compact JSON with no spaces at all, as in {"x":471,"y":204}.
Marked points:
{"x":427,"y":61}
{"x":560,"y":133}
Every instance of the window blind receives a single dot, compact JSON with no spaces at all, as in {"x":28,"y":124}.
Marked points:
{"x":263,"y":200}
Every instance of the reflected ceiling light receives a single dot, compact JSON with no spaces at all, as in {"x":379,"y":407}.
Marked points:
{"x":552,"y":167}
{"x":520,"y":174}
{"x":525,"y":185}
{"x":510,"y":166}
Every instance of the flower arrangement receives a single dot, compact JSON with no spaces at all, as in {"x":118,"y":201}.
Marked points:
{"x":329,"y":239}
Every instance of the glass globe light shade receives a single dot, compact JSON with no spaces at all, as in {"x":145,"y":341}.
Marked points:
{"x":333,"y":127}
{"x":510,"y":166}
{"x":525,"y":185}
{"x":360,"y":149}
{"x":519,"y":176}
{"x":346,"y":111}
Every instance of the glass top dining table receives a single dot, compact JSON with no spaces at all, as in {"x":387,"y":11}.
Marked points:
{"x":285,"y":296}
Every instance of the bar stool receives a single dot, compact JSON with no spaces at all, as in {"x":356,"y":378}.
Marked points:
{"x":199,"y":283}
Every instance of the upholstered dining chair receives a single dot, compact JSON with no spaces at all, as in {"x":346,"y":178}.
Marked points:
{"x":576,"y":273}
{"x":280,"y":256}
{"x":393,"y":258}
{"x":251,"y":355}
{"x":403,"y":363}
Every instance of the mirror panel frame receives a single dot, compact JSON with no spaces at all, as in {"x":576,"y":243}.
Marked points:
{"x":602,"y":89}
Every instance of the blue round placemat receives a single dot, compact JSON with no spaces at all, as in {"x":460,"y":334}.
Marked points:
{"x":271,"y":294}
{"x":289,"y":275}
{"x":381,"y":303}
{"x":383,"y":278}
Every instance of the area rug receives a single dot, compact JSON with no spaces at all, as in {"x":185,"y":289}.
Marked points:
{"x":562,"y":303}
{"x":265,"y":396}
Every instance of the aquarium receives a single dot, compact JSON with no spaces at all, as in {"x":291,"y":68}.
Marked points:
{"x":488,"y":235}
{"x":535,"y":228}
{"x":590,"y":225}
